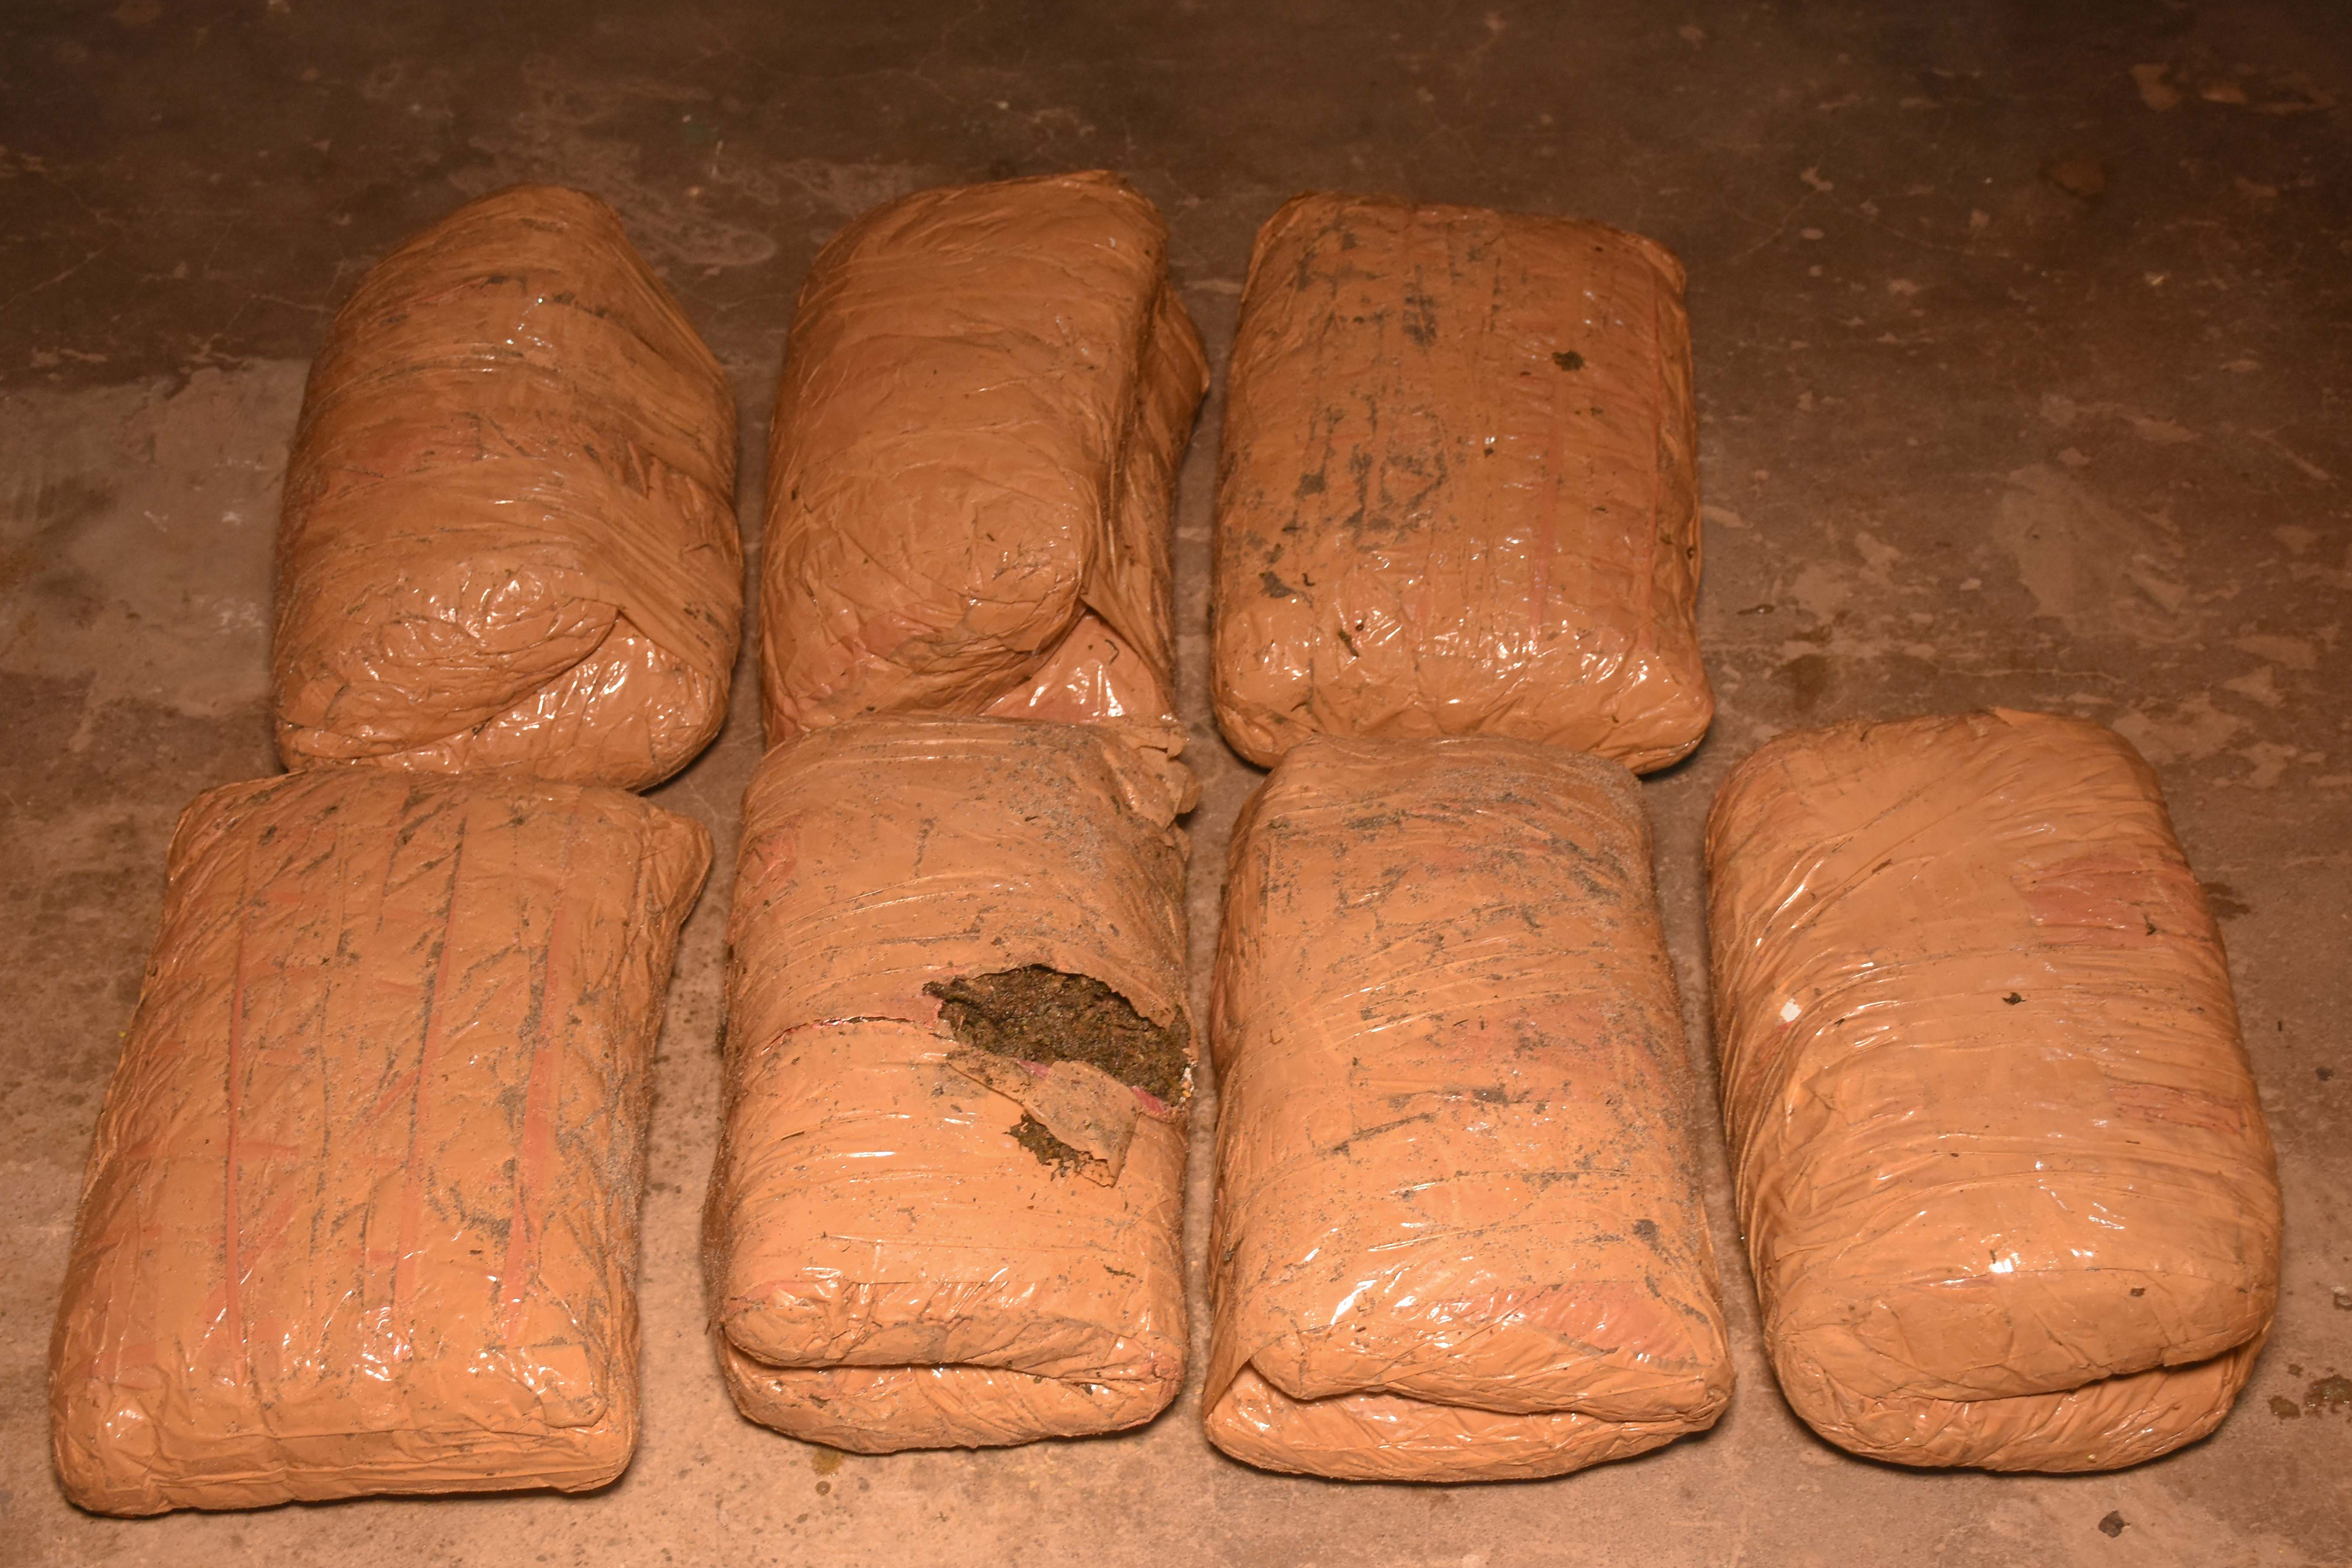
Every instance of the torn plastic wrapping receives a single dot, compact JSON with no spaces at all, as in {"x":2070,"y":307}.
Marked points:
{"x":973,"y":460}
{"x":361,"y":1213}
{"x":915,"y":1239}
{"x":1457,"y":493}
{"x":1458,"y":1234}
{"x":509,"y":537}
{"x":2005,"y":1181}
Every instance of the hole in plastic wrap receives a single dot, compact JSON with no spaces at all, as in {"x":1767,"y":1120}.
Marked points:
{"x":1039,"y":1015}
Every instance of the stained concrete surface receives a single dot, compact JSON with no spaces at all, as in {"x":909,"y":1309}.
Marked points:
{"x":2025,"y":341}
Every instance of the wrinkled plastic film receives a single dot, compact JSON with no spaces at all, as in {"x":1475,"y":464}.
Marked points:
{"x":1094,"y":675}
{"x":361,"y":1213}
{"x":509,"y":536}
{"x":972,"y":462}
{"x":2007,"y":1187}
{"x":1457,"y":493}
{"x":1457,"y":1233}
{"x":890,"y":1264}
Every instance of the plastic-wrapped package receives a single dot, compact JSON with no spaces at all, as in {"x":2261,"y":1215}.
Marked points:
{"x":1457,"y":493}
{"x":509,"y":536}
{"x":2004,"y":1179}
{"x":362,"y":1214}
{"x":1458,"y":1234}
{"x":945,"y":1209}
{"x":970,"y":476}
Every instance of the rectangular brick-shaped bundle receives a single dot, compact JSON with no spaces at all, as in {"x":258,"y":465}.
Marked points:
{"x":1458,"y":1234}
{"x":986,"y":398}
{"x":362,"y":1216}
{"x":509,"y":537}
{"x":2003,"y":1171}
{"x":945,"y":1207}
{"x":1457,"y":493}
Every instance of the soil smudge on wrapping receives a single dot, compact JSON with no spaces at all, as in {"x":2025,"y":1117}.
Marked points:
{"x":1030,"y":1134}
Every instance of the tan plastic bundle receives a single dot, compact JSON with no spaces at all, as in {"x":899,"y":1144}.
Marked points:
{"x":2003,"y":1176}
{"x":974,"y":455}
{"x":1457,"y":493}
{"x":509,"y":537}
{"x":945,"y":1207}
{"x":362,"y":1216}
{"x":1458,"y":1234}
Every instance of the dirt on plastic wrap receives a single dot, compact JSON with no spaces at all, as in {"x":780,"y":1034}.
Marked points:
{"x":1457,"y":493}
{"x":946,"y":1208}
{"x":2005,"y":1181}
{"x":509,"y":536}
{"x":972,"y":465}
{"x":1458,"y":1234}
{"x":362,"y":1214}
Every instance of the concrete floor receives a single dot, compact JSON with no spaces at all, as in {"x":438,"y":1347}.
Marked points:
{"x":2025,"y":341}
